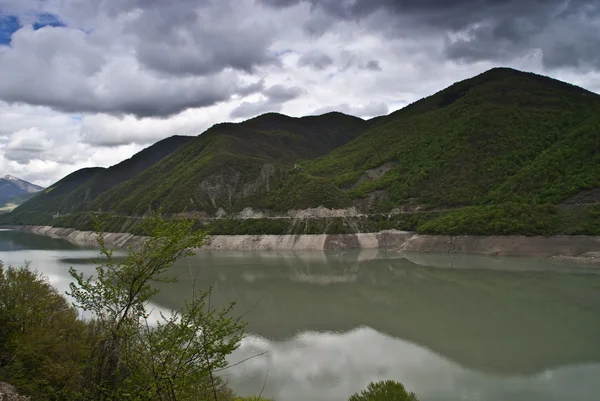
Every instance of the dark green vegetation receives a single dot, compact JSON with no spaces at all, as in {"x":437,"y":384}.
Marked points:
{"x":505,"y":152}
{"x":384,"y":391}
{"x":77,"y":190}
{"x":41,"y":340}
{"x":49,"y":353}
{"x":501,"y":136}
{"x":232,"y":166}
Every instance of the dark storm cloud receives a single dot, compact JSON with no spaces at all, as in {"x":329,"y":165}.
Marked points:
{"x":349,"y":59}
{"x":373,"y":65}
{"x":315,"y":59}
{"x":199,"y":37}
{"x":281,"y":94}
{"x":162,"y":58}
{"x":564,"y":32}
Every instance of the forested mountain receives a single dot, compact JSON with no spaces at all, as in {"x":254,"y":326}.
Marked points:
{"x":75,"y":191}
{"x":232,"y":166}
{"x":503,"y":152}
{"x":502,"y":136}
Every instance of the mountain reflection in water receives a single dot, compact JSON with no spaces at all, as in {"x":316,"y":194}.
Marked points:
{"x":451,"y":327}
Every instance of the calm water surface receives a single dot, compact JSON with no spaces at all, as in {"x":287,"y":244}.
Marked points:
{"x":449,"y":327}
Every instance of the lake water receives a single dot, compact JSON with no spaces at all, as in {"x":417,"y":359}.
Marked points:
{"x":450,"y":327}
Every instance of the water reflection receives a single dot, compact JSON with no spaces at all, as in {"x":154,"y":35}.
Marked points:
{"x":331,"y":366}
{"x":507,"y":316}
{"x":451,"y":327}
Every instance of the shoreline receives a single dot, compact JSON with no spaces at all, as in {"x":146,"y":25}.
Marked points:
{"x":579,"y":249}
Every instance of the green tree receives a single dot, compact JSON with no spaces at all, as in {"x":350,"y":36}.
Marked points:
{"x":388,"y":390}
{"x":42,"y":341}
{"x":132,"y":359}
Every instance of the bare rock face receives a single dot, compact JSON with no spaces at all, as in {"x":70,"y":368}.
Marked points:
{"x":376,"y":173}
{"x":9,"y":393}
{"x":221,"y":190}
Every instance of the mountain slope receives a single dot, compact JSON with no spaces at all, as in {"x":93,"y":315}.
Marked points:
{"x":232,"y":166}
{"x":505,"y":152}
{"x":52,"y":198}
{"x":74,"y":192}
{"x":503,"y":135}
{"x":14,"y":191}
{"x":12,"y":186}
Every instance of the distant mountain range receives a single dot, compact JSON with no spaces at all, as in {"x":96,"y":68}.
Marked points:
{"x":505,"y":152}
{"x":14,"y":191}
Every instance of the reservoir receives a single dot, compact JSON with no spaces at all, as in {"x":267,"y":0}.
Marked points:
{"x":322,"y":325}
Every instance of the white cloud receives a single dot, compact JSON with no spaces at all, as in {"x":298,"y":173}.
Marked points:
{"x":126,"y":73}
{"x":27,"y":144}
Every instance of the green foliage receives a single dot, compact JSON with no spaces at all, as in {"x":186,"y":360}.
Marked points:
{"x":505,"y":136}
{"x":485,"y":153}
{"x":231,"y":165}
{"x":76,"y":191}
{"x":42,"y":343}
{"x":515,"y":218}
{"x":116,"y":354}
{"x":55,"y":198}
{"x":384,"y":391}
{"x":174,"y":360}
{"x":301,"y":191}
{"x":228,"y":159}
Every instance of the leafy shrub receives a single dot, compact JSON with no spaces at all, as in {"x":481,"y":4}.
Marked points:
{"x":42,"y":342}
{"x":388,"y":390}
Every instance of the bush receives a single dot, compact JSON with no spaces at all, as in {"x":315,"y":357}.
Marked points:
{"x":174,"y":360}
{"x":48,"y":353}
{"x":42,"y":342}
{"x":388,"y":390}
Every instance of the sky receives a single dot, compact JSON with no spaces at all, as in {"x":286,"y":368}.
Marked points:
{"x":91,"y":82}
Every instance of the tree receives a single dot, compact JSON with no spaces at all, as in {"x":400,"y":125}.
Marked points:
{"x":42,"y":341}
{"x":388,"y":390}
{"x":130,"y":358}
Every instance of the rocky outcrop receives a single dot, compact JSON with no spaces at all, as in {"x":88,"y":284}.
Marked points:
{"x":221,"y":190}
{"x":376,"y":173}
{"x":577,"y":249}
{"x":588,"y":258}
{"x":82,"y":237}
{"x":321,"y":212}
{"x":9,"y":393}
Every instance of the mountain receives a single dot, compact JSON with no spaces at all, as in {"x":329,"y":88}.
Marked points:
{"x":75,"y":191}
{"x":14,"y":191}
{"x":12,"y":186}
{"x":235,"y":165}
{"x":503,"y":152}
{"x":503,"y":135}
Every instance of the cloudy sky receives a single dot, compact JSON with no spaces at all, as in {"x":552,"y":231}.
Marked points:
{"x":91,"y":82}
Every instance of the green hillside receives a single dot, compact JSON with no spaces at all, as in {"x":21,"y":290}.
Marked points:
{"x":55,"y":196}
{"x":232,"y":166}
{"x":74,"y":192}
{"x":501,"y":136}
{"x":505,"y":152}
